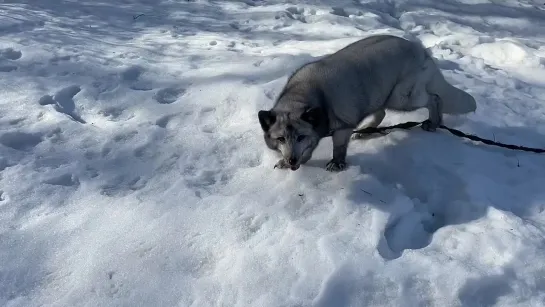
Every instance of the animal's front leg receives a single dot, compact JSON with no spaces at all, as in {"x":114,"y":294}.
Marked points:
{"x":341,"y":138}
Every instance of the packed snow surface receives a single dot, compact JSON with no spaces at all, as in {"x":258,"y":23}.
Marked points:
{"x":133,"y":170}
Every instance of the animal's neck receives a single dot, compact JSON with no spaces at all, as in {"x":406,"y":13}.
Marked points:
{"x":298,"y":96}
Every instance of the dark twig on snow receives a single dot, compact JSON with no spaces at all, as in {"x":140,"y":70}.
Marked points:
{"x":372,"y":195}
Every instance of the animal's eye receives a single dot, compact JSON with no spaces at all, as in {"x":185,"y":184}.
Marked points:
{"x":300,"y":138}
{"x":281,"y":139}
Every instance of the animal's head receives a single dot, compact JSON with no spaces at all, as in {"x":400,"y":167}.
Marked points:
{"x":294,"y":135}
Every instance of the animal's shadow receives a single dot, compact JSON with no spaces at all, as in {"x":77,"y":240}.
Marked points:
{"x":426,"y":181}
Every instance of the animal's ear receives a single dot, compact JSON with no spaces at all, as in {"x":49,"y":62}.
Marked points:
{"x":266,"y":119}
{"x":312,"y":116}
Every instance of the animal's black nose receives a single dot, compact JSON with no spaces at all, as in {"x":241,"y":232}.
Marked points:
{"x":292,"y":161}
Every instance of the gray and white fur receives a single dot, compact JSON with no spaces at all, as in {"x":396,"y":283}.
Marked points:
{"x":334,"y":95}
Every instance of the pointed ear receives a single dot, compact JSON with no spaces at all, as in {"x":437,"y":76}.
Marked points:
{"x":266,"y":119}
{"x":312,"y":116}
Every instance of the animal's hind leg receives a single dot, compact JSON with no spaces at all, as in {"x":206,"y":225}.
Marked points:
{"x":435,"y":118}
{"x":376,"y":119}
{"x":424,"y":92}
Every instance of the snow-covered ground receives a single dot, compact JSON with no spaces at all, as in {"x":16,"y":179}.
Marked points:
{"x":133,"y":170}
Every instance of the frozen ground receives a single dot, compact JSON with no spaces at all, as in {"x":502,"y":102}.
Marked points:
{"x":133,"y":170}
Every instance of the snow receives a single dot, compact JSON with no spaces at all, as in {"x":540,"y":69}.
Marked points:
{"x":133,"y":170}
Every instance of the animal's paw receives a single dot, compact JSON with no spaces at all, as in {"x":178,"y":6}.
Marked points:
{"x":335,"y":166}
{"x":429,"y":126}
{"x":358,"y":136}
{"x":281,"y":164}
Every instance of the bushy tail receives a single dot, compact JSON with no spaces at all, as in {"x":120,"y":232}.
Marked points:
{"x":455,"y":100}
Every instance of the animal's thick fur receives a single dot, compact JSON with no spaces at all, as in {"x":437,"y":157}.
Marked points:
{"x":332,"y":96}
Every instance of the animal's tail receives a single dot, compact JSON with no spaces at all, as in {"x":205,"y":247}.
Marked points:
{"x":455,"y":100}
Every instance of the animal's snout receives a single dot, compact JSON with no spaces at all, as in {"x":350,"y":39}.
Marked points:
{"x":292,"y":162}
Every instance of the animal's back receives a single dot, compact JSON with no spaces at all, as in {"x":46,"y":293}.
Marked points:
{"x":375,"y":59}
{"x":357,"y":79}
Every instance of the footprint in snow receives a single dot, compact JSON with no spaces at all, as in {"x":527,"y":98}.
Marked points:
{"x":164,"y":120}
{"x":113,"y":113}
{"x":114,"y":284}
{"x":10,"y":54}
{"x":168,"y":95}
{"x":413,"y":230}
{"x":106,"y":83}
{"x":67,"y":180}
{"x":141,"y":86}
{"x":17,"y":121}
{"x":22,"y":141}
{"x":425,"y":207}
{"x":292,"y":13}
{"x":132,"y":75}
{"x":124,"y":137}
{"x":339,"y":11}
{"x":57,"y":59}
{"x":63,"y":101}
{"x":46,"y":100}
